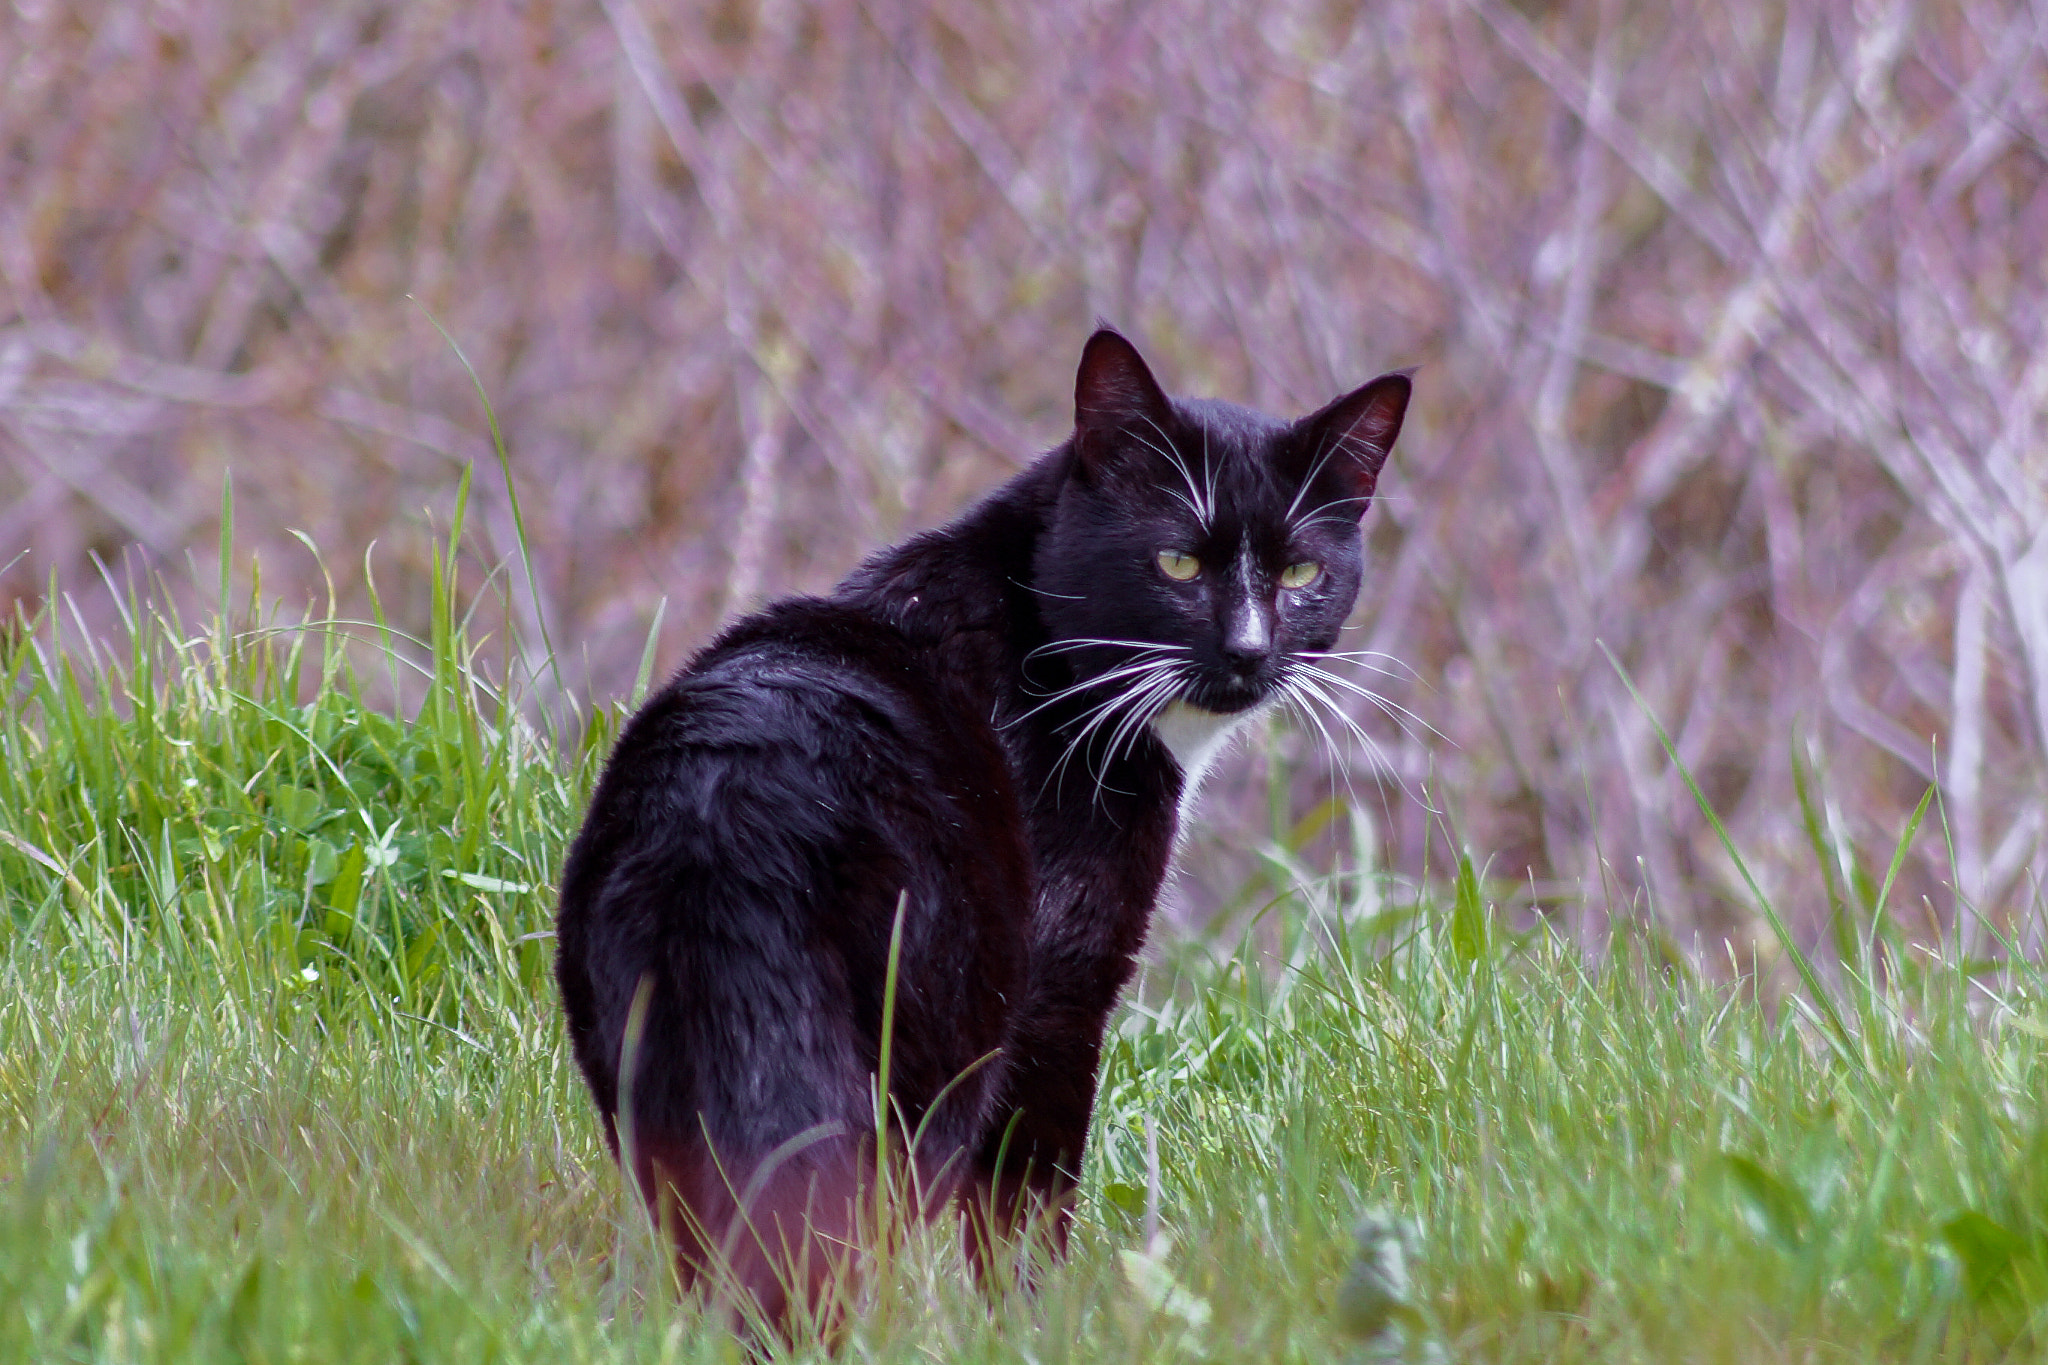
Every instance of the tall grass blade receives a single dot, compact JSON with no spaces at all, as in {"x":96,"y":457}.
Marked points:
{"x":1811,"y":820}
{"x":889,"y":981}
{"x":1822,"y":1000}
{"x":1879,"y":909}
{"x":644,"y":674}
{"x":540,"y":615}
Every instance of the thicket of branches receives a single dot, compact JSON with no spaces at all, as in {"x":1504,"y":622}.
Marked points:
{"x":1729,"y":323}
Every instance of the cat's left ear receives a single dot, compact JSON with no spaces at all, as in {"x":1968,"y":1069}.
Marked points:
{"x":1355,"y":434}
{"x":1114,"y":392}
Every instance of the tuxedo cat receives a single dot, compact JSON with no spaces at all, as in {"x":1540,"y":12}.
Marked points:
{"x":987,"y":734}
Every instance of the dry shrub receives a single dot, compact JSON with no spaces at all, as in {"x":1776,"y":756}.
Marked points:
{"x":1728,"y":318}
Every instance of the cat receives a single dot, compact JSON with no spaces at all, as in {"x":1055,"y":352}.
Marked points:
{"x":983,"y":741}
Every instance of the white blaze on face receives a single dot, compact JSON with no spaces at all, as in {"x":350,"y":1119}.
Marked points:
{"x":1197,"y":738}
{"x":1249,"y":629}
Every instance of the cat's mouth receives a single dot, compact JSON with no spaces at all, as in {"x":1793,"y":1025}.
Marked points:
{"x":1226,"y":696}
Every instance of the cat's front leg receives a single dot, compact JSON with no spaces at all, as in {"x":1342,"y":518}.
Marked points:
{"x":1028,"y":1166}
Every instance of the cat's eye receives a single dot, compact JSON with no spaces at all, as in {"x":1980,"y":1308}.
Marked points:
{"x":1179,"y":567}
{"x":1300,"y":575}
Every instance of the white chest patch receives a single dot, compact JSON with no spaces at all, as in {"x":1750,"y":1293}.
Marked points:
{"x":1196,"y":738}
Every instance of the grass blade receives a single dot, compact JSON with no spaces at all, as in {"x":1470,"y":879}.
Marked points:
{"x":540,"y":614}
{"x":1822,"y":1000}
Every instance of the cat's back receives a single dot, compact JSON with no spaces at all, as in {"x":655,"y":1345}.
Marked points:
{"x":806,"y":717}
{"x":769,"y":807}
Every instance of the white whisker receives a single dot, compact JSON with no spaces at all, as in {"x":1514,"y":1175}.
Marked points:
{"x":1325,"y":513}
{"x":1306,"y":690}
{"x":1135,"y":668}
{"x":1144,"y":660}
{"x":1305,"y":687}
{"x":1358,"y":657}
{"x":1203,"y":503}
{"x":1375,"y":753}
{"x":1209,"y":472}
{"x":1047,"y":592}
{"x":1325,"y":519}
{"x":1322,"y":458}
{"x":1158,"y":694}
{"x":1394,"y":711}
{"x":1140,"y":704}
{"x":1165,"y":680}
{"x":1149,"y":655}
{"x":1299,"y":707}
{"x":1082,"y":642}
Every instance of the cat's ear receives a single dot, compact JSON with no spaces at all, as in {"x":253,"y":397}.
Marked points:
{"x":1354,"y":434}
{"x":1114,"y":391}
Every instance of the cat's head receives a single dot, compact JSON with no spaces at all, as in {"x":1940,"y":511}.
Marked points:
{"x":1201,"y":552}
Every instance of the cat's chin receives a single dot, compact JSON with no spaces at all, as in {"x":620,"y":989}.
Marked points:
{"x":1224,"y":700}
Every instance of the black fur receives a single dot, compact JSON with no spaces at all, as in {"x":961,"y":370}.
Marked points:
{"x":963,"y":727}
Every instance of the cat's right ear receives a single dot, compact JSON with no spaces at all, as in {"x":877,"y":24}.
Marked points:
{"x":1113,"y":392}
{"x":1358,"y":430}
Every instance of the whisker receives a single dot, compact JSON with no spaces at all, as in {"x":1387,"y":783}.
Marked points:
{"x":1129,"y":705}
{"x":1082,"y":642}
{"x":1299,"y":707}
{"x":1047,"y":592}
{"x":1325,"y":511}
{"x":1142,"y":703}
{"x":1165,"y":452}
{"x":1321,"y":518}
{"x":1314,"y":469}
{"x":1135,"y":668}
{"x":1093,"y":717}
{"x":1145,"y":659}
{"x":1209,"y":473}
{"x":1375,"y":754}
{"x":1148,"y":656}
{"x":1165,"y":676}
{"x":1204,"y":505}
{"x":1307,"y":690}
{"x":1358,"y":657}
{"x":1374,"y":750}
{"x":1160,"y":694}
{"x":1394,"y":711}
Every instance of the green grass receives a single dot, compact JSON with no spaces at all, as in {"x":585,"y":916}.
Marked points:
{"x":282,"y":1078}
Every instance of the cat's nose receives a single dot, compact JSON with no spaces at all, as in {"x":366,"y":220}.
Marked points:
{"x":1249,"y":639}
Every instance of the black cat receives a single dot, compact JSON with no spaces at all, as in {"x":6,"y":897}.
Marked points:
{"x":994,"y":726}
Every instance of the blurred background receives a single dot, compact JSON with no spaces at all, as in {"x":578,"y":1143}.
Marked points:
{"x":1729,"y":320}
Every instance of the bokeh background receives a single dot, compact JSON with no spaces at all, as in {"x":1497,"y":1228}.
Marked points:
{"x":1729,"y":320}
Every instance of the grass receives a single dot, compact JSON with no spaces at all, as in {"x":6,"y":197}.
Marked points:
{"x":282,"y":1078}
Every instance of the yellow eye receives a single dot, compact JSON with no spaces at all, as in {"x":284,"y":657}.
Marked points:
{"x":1179,"y":567}
{"x":1300,"y":575}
